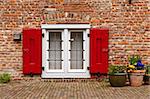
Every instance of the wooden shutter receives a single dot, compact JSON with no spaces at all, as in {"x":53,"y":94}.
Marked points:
{"x":32,"y":51}
{"x":99,"y":51}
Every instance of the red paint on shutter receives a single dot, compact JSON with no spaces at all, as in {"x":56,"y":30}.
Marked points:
{"x":98,"y":51}
{"x":32,"y":51}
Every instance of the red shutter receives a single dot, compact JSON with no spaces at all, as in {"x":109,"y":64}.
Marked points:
{"x":98,"y":51}
{"x":32,"y":51}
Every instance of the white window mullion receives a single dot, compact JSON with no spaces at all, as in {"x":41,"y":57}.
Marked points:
{"x":66,"y":48}
{"x":69,"y":52}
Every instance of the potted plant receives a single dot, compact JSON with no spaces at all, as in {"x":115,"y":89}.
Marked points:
{"x":135,"y":71}
{"x":147,"y":76}
{"x":5,"y":78}
{"x":117,"y":76}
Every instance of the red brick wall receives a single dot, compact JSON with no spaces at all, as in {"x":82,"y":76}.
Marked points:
{"x":129,"y":25}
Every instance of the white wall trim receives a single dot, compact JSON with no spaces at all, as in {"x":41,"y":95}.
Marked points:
{"x":65,"y":26}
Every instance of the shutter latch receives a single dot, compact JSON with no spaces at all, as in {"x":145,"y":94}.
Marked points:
{"x":88,"y":35}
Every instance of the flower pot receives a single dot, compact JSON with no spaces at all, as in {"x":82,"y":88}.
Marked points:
{"x":136,"y":78}
{"x":117,"y":79}
{"x":147,"y":79}
{"x":138,"y":71}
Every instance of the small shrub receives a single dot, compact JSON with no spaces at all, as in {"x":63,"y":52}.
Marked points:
{"x":148,"y":69}
{"x":5,"y":78}
{"x":117,"y":69}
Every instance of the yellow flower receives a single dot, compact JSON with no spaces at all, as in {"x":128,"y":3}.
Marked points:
{"x":131,"y":66}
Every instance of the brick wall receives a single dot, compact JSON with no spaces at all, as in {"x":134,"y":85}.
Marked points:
{"x":129,"y":25}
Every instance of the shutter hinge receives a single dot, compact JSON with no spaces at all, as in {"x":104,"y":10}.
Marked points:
{"x":88,"y":68}
{"x":42,"y":34}
{"x":42,"y":68}
{"x":88,"y":35}
{"x":130,"y":1}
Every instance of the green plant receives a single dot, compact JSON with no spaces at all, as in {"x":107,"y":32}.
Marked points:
{"x":147,"y":69}
{"x":147,"y":75}
{"x":5,"y":78}
{"x":117,"y":69}
{"x":135,"y":63}
{"x":134,"y":59}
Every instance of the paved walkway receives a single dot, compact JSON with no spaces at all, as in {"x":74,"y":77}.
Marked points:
{"x":36,"y":89}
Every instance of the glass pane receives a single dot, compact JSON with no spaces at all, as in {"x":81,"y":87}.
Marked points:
{"x":73,"y":65}
{"x":52,"y":65}
{"x":80,"y":56}
{"x":58,"y":55}
{"x":55,"y":50}
{"x":52,"y":45}
{"x":74,"y":55}
{"x":80,"y":65}
{"x":76,"y":50}
{"x":58,"y":44}
{"x":51,"y":55}
{"x":58,"y":65}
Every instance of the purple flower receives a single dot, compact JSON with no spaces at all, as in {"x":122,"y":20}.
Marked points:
{"x":139,"y":65}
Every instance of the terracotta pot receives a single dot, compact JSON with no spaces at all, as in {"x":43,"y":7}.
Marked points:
{"x":136,"y":78}
{"x":138,"y":71}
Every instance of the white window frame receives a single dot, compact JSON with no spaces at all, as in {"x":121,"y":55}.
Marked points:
{"x":65,"y":72}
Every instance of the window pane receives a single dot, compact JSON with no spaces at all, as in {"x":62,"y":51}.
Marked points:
{"x":76,"y":61}
{"x":55,"y":50}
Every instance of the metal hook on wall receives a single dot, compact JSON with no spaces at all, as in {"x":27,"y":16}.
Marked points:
{"x":130,"y":1}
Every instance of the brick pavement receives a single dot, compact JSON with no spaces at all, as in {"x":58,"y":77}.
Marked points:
{"x":70,"y":89}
